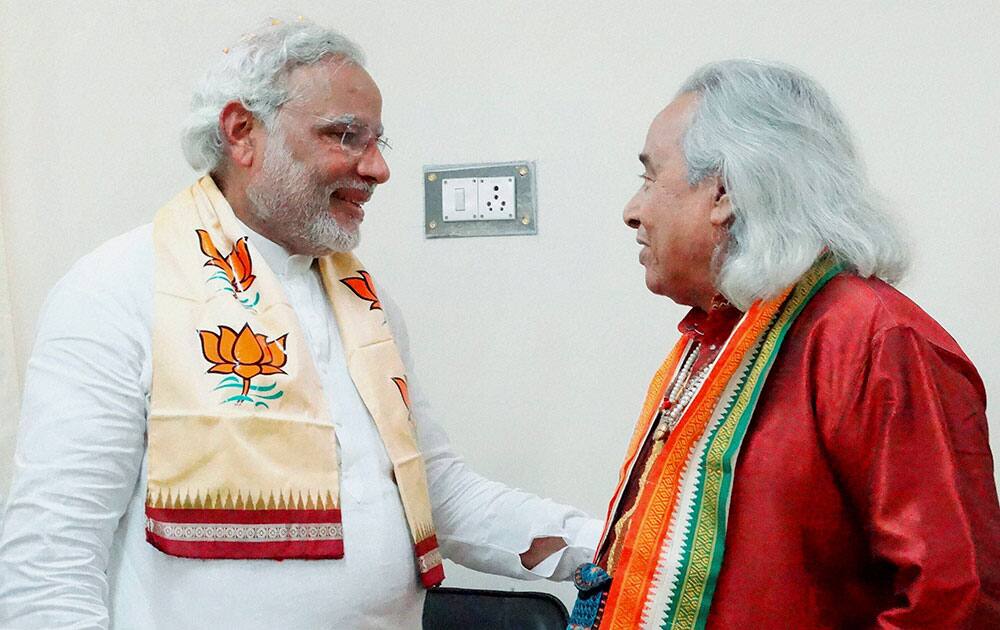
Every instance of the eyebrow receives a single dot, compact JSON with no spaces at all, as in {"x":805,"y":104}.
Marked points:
{"x":348,"y":119}
{"x":343,"y":119}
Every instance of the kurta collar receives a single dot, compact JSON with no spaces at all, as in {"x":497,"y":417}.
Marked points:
{"x":710,"y":329}
{"x":282,"y":263}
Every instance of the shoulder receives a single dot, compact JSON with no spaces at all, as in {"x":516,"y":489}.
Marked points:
{"x":122,"y":261}
{"x":114,"y":280}
{"x":869,"y":309}
{"x":853,"y":322}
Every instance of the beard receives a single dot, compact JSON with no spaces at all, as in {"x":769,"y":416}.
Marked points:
{"x":294,"y":202}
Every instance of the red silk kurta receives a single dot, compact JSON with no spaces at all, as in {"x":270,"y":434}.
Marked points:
{"x":864,"y":493}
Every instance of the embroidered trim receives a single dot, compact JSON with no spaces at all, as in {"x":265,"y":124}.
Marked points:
{"x":429,"y":560}
{"x":429,"y":563}
{"x":208,"y":532}
{"x":241,"y":534}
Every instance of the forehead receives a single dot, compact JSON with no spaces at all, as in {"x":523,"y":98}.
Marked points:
{"x":336,"y":86}
{"x":667,"y":129}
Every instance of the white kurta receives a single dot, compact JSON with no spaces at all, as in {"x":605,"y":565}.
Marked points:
{"x":73,"y":551}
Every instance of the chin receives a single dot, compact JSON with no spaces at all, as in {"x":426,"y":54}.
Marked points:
{"x":656,"y":285}
{"x":659,"y":287}
{"x":331,"y":235}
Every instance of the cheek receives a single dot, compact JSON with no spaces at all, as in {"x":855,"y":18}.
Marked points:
{"x":661,"y":261}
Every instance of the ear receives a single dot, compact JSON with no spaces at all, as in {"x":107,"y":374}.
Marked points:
{"x":237,"y":123}
{"x":722,"y":208}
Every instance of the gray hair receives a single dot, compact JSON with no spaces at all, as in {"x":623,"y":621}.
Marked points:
{"x":254,"y":72}
{"x":795,"y":182}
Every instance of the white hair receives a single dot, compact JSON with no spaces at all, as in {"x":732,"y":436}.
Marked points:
{"x":254,"y":72}
{"x":795,"y":182}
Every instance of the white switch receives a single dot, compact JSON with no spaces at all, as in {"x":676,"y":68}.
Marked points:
{"x":459,"y":199}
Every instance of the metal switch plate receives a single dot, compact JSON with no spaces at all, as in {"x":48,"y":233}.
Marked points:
{"x":496,"y":199}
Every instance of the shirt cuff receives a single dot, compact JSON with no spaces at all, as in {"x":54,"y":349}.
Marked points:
{"x":579,"y":549}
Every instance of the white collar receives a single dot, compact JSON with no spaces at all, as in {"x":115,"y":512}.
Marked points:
{"x":282,"y":263}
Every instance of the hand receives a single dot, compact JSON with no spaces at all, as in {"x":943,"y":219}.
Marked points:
{"x":541,"y":548}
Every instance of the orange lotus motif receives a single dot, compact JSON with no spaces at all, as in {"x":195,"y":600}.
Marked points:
{"x":245,"y":354}
{"x":363,"y":288}
{"x":237,"y":266}
{"x":404,"y":389}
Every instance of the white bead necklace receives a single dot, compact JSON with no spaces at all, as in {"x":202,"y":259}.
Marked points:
{"x":679,"y":395}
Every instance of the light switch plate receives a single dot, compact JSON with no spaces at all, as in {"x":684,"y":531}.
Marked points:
{"x":459,"y":199}
{"x":493,"y":199}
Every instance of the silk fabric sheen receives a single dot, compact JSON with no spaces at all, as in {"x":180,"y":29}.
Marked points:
{"x":864,"y":493}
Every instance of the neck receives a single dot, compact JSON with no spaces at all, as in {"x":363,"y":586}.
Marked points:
{"x":708,"y":298}
{"x":233,"y":188}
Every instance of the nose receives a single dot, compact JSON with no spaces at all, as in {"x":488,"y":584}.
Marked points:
{"x":631,"y":214}
{"x":372,"y":165}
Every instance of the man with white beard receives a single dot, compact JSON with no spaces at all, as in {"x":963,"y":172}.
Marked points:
{"x":232,"y":395}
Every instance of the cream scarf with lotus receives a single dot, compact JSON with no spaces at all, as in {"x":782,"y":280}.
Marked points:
{"x":242,"y":459}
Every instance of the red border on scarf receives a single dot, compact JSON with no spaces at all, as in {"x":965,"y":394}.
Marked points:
{"x":242,"y":517}
{"x":435,"y":575}
{"x":279,"y":550}
{"x":329,"y":548}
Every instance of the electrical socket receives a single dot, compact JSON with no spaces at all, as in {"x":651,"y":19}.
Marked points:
{"x":478,"y":199}
{"x":496,"y":198}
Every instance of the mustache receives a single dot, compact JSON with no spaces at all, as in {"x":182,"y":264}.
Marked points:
{"x":352,"y":183}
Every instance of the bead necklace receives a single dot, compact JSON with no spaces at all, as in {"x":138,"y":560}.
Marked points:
{"x":679,"y":395}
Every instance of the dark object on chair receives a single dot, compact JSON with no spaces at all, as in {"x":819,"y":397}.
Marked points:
{"x":473,"y":609}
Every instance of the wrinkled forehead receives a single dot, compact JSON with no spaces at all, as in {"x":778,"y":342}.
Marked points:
{"x":671,"y":123}
{"x":335,"y":87}
{"x":666,"y":132}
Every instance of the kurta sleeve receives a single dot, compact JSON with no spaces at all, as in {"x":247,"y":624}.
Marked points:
{"x":912,"y":451}
{"x":79,"y":451}
{"x":483,"y":524}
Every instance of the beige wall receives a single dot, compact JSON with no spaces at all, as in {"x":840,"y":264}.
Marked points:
{"x":535,"y":350}
{"x":10,"y":393}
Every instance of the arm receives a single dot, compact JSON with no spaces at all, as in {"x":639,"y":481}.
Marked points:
{"x":79,"y":450}
{"x":486,"y":525}
{"x":490,"y":527}
{"x":914,"y":456}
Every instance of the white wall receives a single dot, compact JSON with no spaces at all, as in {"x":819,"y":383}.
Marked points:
{"x":535,"y":350}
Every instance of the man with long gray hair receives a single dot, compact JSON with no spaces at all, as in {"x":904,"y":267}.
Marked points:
{"x":226,"y":388}
{"x":813,"y":453}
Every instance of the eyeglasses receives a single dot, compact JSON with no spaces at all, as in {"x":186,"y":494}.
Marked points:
{"x":354,"y":137}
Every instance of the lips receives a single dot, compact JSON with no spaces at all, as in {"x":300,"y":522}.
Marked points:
{"x":352,"y":196}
